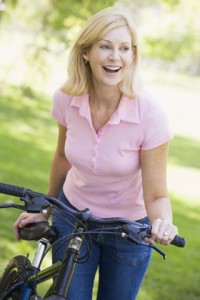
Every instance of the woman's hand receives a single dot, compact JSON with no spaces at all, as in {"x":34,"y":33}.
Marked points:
{"x":162,"y":232}
{"x":27,"y":218}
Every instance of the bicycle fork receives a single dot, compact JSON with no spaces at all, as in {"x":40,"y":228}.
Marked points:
{"x":27,"y":290}
{"x":67,"y":267}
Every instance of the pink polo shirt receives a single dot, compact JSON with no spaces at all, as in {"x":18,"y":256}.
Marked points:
{"x":106,"y":175}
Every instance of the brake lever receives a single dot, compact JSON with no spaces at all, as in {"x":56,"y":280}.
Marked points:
{"x":35,"y":204}
{"x":12,"y":205}
{"x":137,"y":233}
{"x":153,"y":246}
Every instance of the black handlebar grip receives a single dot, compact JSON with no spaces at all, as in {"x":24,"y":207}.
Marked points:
{"x":178,"y":241}
{"x":12,"y":190}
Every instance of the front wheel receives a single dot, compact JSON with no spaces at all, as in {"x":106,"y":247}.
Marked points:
{"x":16,"y":271}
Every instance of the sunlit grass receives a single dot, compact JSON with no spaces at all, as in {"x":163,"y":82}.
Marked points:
{"x":184,"y":183}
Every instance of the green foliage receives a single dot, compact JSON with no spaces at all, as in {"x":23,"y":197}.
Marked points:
{"x":149,"y":3}
{"x":78,"y":9}
{"x":171,"y":3}
{"x":171,"y":33}
{"x":169,"y":48}
{"x":44,"y":29}
{"x":52,"y":14}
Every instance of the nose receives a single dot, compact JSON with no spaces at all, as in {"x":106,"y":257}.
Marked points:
{"x":114,"y":54}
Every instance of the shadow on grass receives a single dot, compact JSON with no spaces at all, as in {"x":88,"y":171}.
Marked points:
{"x":185,"y":152}
{"x":24,"y":106}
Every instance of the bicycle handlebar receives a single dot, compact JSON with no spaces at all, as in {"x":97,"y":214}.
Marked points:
{"x":12,"y":190}
{"x":36,"y":202}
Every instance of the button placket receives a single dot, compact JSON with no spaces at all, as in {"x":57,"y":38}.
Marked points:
{"x":94,"y":153}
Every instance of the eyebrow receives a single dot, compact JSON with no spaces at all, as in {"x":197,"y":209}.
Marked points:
{"x":111,"y":42}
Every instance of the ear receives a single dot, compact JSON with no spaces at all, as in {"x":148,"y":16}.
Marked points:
{"x":134,"y":51}
{"x":85,"y":57}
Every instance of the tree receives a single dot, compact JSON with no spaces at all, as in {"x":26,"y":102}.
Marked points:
{"x":170,"y":33}
{"x":46,"y":28}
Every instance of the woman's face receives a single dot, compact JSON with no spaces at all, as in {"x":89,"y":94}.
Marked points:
{"x":110,"y":57}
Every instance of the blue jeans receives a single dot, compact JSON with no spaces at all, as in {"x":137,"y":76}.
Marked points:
{"x":121,"y":265}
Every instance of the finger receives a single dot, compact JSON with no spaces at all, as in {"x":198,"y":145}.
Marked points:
{"x":21,"y":223}
{"x":16,"y":231}
{"x":32,"y":218}
{"x":166,"y":238}
{"x":163,"y":232}
{"x":29,"y":219}
{"x":16,"y":225}
{"x":154,"y":229}
{"x":169,"y":234}
{"x":149,"y":240}
{"x":157,"y":230}
{"x":21,"y":217}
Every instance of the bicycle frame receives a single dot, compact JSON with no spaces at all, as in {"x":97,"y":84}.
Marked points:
{"x":64,"y":269}
{"x":37,"y":203}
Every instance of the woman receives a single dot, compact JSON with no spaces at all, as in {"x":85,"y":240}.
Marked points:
{"x":111,"y":156}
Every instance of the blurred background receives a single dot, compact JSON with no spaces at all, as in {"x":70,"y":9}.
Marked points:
{"x":35,"y":38}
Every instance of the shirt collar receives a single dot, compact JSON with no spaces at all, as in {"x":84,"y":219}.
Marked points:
{"x":82,"y":102}
{"x":127,"y":111}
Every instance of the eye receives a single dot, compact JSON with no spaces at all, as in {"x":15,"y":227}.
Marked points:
{"x":104,"y":46}
{"x":125,"y":49}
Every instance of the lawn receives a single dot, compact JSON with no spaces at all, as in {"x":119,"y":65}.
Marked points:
{"x":27,"y":136}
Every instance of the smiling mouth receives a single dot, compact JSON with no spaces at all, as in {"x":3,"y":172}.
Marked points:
{"x":112,"y":69}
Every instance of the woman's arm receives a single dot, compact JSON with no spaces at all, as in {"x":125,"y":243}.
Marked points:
{"x":60,"y":165}
{"x":158,"y":205}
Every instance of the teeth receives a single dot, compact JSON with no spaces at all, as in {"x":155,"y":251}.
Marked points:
{"x":113,"y":68}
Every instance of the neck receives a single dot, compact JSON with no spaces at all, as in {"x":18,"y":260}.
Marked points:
{"x":106,"y":97}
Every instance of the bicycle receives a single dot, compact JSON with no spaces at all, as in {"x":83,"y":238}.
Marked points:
{"x":21,"y":277}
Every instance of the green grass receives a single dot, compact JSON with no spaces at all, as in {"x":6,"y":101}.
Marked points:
{"x":27,"y":135}
{"x":177,"y":277}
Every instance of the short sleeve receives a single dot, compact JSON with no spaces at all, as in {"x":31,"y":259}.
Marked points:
{"x":155,"y":126}
{"x":59,"y":108}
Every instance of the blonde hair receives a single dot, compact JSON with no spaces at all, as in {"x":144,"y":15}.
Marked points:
{"x":79,"y":74}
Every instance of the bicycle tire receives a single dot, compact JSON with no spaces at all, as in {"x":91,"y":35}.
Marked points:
{"x":15,"y":271}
